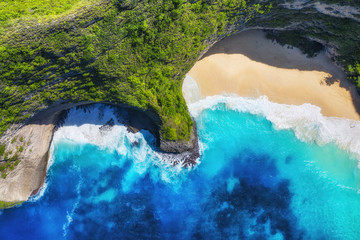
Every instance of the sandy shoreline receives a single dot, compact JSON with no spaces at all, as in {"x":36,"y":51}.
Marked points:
{"x":250,"y":65}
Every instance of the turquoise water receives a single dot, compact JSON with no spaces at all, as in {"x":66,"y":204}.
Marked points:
{"x":253,"y":182}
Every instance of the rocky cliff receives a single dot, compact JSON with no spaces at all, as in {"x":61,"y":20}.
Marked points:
{"x":336,"y":27}
{"x":28,"y":147}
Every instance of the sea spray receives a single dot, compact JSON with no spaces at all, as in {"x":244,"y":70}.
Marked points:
{"x":254,"y":182}
{"x":40,"y":193}
{"x":305,"y":120}
{"x":85,"y":126}
{"x":42,"y":190}
{"x":69,"y":214}
{"x":191,"y":90}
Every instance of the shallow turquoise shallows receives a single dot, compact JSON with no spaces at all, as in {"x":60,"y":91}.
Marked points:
{"x":253,"y":182}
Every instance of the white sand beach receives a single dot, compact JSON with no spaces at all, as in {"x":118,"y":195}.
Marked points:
{"x":249,"y":65}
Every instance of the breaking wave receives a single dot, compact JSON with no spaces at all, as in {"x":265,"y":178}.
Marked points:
{"x":306,"y":120}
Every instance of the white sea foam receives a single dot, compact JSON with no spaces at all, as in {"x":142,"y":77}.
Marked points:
{"x":69,"y":215}
{"x":191,"y":90}
{"x":40,"y":193}
{"x":305,"y":120}
{"x":85,"y":126}
{"x":43,"y":188}
{"x":308,"y":124}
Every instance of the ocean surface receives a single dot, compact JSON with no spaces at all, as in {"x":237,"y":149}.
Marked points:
{"x":267,"y":171}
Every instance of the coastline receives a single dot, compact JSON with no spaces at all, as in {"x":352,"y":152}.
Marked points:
{"x":35,"y":138}
{"x":250,"y":65}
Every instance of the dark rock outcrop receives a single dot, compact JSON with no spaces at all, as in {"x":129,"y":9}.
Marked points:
{"x":180,"y":145}
{"x":36,"y":136}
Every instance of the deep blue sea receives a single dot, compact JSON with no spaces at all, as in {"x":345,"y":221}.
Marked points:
{"x":267,"y":171}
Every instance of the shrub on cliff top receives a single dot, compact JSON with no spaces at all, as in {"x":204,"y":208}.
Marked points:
{"x":2,"y":150}
{"x":132,"y":52}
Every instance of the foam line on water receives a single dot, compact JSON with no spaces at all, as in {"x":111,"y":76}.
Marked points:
{"x":305,"y":120}
{"x":85,"y":126}
{"x":69,"y":215}
{"x":40,"y":193}
{"x":43,"y":188}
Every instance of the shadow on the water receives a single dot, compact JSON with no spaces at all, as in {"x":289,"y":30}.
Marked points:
{"x":135,"y":119}
{"x":254,"y":45}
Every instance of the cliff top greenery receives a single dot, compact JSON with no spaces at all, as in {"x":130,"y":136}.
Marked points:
{"x":17,"y":12}
{"x":131,"y":52}
{"x":338,"y":33}
{"x":134,"y":52}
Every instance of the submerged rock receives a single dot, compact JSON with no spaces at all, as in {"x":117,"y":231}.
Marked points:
{"x":107,"y":126}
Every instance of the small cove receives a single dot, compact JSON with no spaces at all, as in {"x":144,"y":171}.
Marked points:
{"x":253,"y":181}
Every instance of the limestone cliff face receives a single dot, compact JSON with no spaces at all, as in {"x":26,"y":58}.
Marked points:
{"x":28,"y":175}
{"x":31,"y":143}
{"x":34,"y":138}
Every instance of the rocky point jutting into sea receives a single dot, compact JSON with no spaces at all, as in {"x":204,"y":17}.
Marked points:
{"x":35,"y":137}
{"x":27,"y":142}
{"x":266,"y":146}
{"x":275,"y":162}
{"x":37,"y":133}
{"x":280,"y":170}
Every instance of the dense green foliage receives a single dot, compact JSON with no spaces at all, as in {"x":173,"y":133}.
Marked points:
{"x":353,"y":72}
{"x":133,"y":52}
{"x":20,"y":8}
{"x":341,"y":33}
{"x":8,"y":159}
{"x":2,"y":150}
{"x":136,"y":52}
{"x":296,"y":39}
{"x":15,"y":11}
{"x":8,"y":204}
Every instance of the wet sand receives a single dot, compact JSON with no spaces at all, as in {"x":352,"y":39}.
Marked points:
{"x":249,"y":65}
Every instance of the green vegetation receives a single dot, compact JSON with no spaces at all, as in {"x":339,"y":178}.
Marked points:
{"x":8,"y":165}
{"x":294,"y":38}
{"x":353,"y":72}
{"x":135,"y":52}
{"x":132,"y":52}
{"x":16,"y":11}
{"x":8,"y":204}
{"x":341,"y":33}
{"x":8,"y":160}
{"x":2,"y":150}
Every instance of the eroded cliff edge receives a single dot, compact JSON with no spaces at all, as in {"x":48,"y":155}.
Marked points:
{"x":28,"y":147}
{"x":81,"y":75}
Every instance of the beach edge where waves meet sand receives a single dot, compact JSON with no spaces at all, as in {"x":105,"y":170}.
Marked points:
{"x":250,"y":65}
